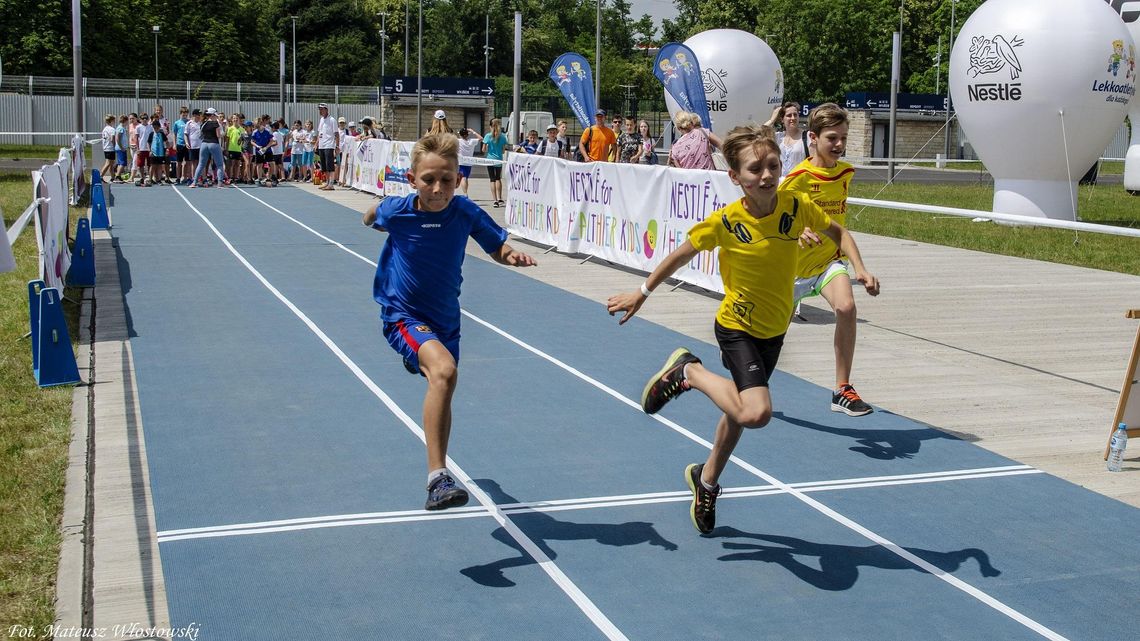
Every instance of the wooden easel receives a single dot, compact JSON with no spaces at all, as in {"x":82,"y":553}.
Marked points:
{"x":1128,"y":409}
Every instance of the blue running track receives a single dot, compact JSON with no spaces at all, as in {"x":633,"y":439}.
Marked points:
{"x":288,"y":471}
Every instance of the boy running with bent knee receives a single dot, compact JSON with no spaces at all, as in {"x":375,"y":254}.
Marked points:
{"x":417,"y":285}
{"x":758,"y":237}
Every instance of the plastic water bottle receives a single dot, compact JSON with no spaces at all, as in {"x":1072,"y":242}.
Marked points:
{"x":1116,"y":447}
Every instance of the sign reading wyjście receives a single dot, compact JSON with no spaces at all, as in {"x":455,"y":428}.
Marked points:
{"x":465,"y":87}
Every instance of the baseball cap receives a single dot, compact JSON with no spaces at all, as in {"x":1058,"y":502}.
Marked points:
{"x":322,"y":106}
{"x":352,"y":123}
{"x":341,"y":119}
{"x":248,"y":123}
{"x":440,"y":114}
{"x":552,"y":127}
{"x":211,"y":111}
{"x":366,"y":121}
{"x":600,"y":112}
{"x":196,"y":112}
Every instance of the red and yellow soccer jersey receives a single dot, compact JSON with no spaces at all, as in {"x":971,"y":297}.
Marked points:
{"x":758,"y":258}
{"x":826,"y":187}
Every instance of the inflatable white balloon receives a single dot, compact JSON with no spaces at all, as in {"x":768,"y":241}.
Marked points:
{"x":743,"y":79}
{"x":1130,"y":13}
{"x":1040,"y":88}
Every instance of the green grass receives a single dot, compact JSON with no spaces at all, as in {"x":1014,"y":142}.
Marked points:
{"x":1102,"y":204}
{"x":48,"y":152}
{"x":34,"y":436}
{"x":1107,"y":168}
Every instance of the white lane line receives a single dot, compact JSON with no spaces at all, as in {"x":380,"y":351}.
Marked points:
{"x":802,"y":496}
{"x":560,"y":505}
{"x":571,"y":590}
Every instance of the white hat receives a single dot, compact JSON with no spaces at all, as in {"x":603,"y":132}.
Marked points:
{"x":211,"y":112}
{"x":552,"y":127}
{"x":322,"y":106}
{"x":352,"y":123}
{"x":440,"y":114}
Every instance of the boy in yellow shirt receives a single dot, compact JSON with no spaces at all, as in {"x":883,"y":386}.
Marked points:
{"x":758,"y":237}
{"x":823,"y":271}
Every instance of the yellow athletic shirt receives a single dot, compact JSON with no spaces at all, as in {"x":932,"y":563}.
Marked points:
{"x":827,"y":187}
{"x":758,"y":260}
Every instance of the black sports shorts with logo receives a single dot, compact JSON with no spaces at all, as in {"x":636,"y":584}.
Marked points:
{"x":751,"y":360}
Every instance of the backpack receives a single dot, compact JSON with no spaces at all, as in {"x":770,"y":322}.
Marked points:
{"x":583,"y":155}
{"x":542,"y":147}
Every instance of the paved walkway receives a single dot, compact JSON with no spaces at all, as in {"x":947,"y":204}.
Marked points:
{"x":1023,"y":358}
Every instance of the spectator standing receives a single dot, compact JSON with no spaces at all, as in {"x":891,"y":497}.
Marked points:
{"x":648,"y":156}
{"x":598,"y":141}
{"x":551,"y":145}
{"x":122,"y":146}
{"x":181,"y":150}
{"x":495,"y":148}
{"x":107,"y":137}
{"x":693,"y":150}
{"x":193,"y":134}
{"x":211,"y":148}
{"x":629,"y":144}
{"x":328,"y":139}
{"x":469,"y":142}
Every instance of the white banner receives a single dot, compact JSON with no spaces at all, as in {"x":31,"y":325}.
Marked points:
{"x":78,"y":168}
{"x":52,"y":221}
{"x":632,"y":215}
{"x":379,"y":166}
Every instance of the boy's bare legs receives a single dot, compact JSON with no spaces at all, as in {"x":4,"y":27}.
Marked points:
{"x":750,"y":408}
{"x":838,"y":294}
{"x":439,"y":367}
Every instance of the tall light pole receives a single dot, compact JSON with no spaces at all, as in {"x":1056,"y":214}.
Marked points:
{"x":383,"y":49}
{"x":946,"y":151}
{"x":77,"y":64}
{"x":407,"y":38}
{"x":487,"y":48}
{"x":155,"y":29}
{"x":598,"y":57}
{"x":293,"y":104}
{"x":420,"y":74}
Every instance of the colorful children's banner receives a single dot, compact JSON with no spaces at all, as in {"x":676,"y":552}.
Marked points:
{"x":50,"y":183}
{"x":580,"y":208}
{"x":677,"y":69}
{"x":379,"y":166}
{"x":573,"y":77}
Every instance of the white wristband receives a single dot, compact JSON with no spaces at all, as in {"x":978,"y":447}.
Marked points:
{"x":645,"y":291}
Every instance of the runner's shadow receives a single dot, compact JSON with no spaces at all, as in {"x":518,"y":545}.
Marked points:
{"x":839,"y":564}
{"x":885,"y":445}
{"x":541,"y":527}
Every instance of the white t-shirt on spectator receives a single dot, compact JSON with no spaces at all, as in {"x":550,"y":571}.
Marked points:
{"x":326,"y":133}
{"x":108,"y":138}
{"x":193,"y":133}
{"x":467,"y":147}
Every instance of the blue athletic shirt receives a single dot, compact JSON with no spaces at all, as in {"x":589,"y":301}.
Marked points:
{"x":420,"y":267}
{"x":179,"y":127}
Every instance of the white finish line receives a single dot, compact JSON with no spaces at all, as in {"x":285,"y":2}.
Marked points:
{"x":378,"y":518}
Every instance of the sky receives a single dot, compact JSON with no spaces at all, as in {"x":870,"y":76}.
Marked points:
{"x":657,"y":8}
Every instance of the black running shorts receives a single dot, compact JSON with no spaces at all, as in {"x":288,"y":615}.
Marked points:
{"x":751,"y":360}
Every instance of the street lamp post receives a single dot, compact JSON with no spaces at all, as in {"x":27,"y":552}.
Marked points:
{"x":383,"y":50}
{"x":155,"y":29}
{"x":420,"y":74}
{"x":293,"y":104}
{"x":946,"y":151}
{"x":487,"y":48}
{"x":598,"y":57}
{"x":407,"y":38}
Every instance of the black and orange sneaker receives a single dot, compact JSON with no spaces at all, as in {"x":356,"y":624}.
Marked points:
{"x":703,"y":508}
{"x":668,"y":383}
{"x":847,"y":400}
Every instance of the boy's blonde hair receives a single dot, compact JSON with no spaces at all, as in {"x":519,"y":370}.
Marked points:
{"x":445,"y":146}
{"x":759,"y":137}
{"x":826,"y":115}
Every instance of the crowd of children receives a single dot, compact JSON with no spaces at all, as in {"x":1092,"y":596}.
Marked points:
{"x":148,"y":149}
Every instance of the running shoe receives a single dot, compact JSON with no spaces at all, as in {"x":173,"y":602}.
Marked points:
{"x":703,"y":508}
{"x":668,"y":383}
{"x":847,"y":400}
{"x":412,"y":369}
{"x":443,"y":493}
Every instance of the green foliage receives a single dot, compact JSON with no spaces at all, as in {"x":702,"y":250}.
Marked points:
{"x":826,"y":47}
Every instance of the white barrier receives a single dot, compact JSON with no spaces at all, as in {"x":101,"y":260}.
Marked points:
{"x":1008,"y":218}
{"x":580,"y":208}
{"x":7,"y":260}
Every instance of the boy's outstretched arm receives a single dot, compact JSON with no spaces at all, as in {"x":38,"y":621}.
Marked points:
{"x":630,"y":302}
{"x":511,"y":257}
{"x":839,"y":234}
{"x":369,"y":216}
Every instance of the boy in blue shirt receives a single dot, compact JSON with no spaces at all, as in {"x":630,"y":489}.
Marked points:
{"x":417,"y":285}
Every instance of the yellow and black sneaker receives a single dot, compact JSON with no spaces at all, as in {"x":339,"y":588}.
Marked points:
{"x":668,"y":383}
{"x":703,"y":507}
